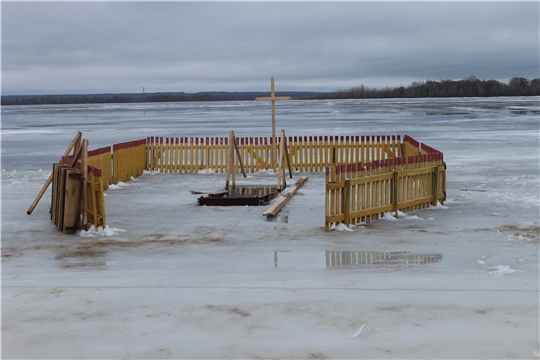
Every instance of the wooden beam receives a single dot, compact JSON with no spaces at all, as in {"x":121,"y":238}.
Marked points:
{"x":75,"y":142}
{"x":285,"y":197}
{"x":84,"y":179}
{"x":230,"y":162}
{"x":273,"y":98}
{"x":239,"y":157}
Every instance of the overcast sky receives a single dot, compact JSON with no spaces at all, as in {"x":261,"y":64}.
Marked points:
{"x":97,"y":47}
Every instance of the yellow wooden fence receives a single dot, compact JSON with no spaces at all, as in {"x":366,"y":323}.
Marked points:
{"x":128,"y":160}
{"x":101,"y":158}
{"x":358,"y":192}
{"x":366,"y":176}
{"x":307,"y":153}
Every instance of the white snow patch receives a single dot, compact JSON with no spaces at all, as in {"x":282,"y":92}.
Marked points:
{"x":358,"y":331}
{"x":481,"y":262}
{"x":207,"y":171}
{"x":119,"y":185}
{"x":148,"y":172}
{"x":342,"y":227}
{"x":389,"y":217}
{"x":439,"y":206}
{"x":501,"y":270}
{"x":100,"y":231}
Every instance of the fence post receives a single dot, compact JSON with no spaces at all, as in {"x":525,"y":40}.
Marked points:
{"x":84,"y":182}
{"x":395,"y":198}
{"x":347,"y":201}
{"x":435,"y":185}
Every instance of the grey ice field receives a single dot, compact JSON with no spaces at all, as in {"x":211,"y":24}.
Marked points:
{"x":170,"y":279}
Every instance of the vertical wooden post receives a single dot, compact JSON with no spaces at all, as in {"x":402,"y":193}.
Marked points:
{"x":326,"y":201}
{"x":395,"y":197}
{"x":273,"y":145}
{"x":282,"y":182}
{"x":231,"y":163}
{"x":273,"y":98}
{"x":84,"y":170}
{"x":347,"y":201}
{"x":435,"y":187}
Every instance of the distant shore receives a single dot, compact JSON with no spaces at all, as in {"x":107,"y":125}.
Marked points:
{"x":468,"y":87}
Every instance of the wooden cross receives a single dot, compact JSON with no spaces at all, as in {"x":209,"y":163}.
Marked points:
{"x":273,"y":98}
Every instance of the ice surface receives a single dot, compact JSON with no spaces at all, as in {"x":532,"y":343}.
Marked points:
{"x":170,"y":279}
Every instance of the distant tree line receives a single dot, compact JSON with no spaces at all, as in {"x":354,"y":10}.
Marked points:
{"x":468,"y":87}
{"x":104,"y":99}
{"x":145,"y":97}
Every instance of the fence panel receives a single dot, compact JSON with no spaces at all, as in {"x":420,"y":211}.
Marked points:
{"x":357,"y":193}
{"x":307,"y":153}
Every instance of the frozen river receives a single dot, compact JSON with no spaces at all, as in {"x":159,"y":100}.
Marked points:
{"x":174,"y":280}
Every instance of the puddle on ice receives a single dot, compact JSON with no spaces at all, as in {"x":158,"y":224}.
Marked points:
{"x":353,"y":259}
{"x":281,"y":218}
{"x":82,"y":259}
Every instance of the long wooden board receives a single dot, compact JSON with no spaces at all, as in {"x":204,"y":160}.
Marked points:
{"x":285,"y":197}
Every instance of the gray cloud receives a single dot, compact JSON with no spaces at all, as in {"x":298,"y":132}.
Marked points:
{"x":89,"y":47}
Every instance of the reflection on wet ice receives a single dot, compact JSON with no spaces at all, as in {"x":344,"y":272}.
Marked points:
{"x":394,"y":259}
{"x":352,"y":259}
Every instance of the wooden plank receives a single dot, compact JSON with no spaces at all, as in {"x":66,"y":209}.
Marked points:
{"x":93,"y":200}
{"x":335,"y":185}
{"x":62,"y":194}
{"x":239,"y":157}
{"x":415,"y":202}
{"x":375,"y":210}
{"x":84,"y":169}
{"x":347,"y":202}
{"x":372,"y":178}
{"x":72,"y":200}
{"x":336,"y":218}
{"x":74,"y":144}
{"x":285,"y":197}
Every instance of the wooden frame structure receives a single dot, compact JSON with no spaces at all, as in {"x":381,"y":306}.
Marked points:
{"x":388,"y":173}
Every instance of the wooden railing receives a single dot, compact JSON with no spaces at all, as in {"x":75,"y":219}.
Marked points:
{"x":358,"y":192}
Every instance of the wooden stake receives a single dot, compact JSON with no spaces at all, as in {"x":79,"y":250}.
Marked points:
{"x":230,"y":162}
{"x":239,"y":156}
